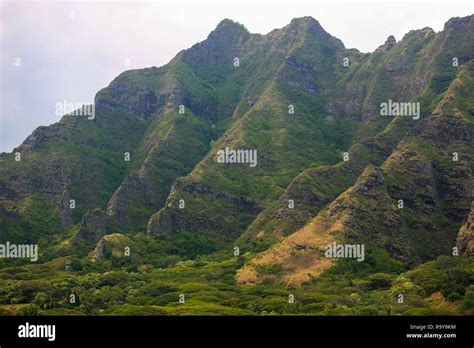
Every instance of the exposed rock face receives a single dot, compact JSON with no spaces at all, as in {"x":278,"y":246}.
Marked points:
{"x":465,"y":239}
{"x":7,"y":191}
{"x":65,"y":211}
{"x":160,"y":224}
{"x":192,"y":218}
{"x":125,"y":94}
{"x":99,"y":251}
{"x":118,"y":246}
{"x":64,"y":131}
{"x":389,"y":43}
{"x":135,"y":187}
{"x":315,"y":187}
{"x":223,"y":44}
{"x":93,"y":226}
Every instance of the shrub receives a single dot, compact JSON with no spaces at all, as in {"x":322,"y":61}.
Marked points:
{"x":381,"y":280}
{"x":28,"y":310}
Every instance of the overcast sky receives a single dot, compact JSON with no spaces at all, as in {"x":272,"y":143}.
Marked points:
{"x":70,"y":50}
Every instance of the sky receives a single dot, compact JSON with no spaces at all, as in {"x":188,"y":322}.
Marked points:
{"x":57,"y":51}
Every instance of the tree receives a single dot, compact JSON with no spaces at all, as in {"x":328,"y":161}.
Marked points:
{"x":42,"y":300}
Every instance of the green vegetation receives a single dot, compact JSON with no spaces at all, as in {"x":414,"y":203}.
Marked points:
{"x":442,"y":286}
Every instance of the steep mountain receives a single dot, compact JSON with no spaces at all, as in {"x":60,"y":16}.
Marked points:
{"x":320,"y":164}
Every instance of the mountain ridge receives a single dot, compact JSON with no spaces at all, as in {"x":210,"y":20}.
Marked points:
{"x":304,"y":102}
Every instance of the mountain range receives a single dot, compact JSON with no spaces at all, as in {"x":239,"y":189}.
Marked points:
{"x":131,"y":209}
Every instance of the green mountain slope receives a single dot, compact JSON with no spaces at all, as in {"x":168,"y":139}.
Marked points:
{"x":132,"y":208}
{"x":434,"y":187}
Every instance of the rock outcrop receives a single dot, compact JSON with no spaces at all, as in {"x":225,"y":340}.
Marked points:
{"x":93,"y":226}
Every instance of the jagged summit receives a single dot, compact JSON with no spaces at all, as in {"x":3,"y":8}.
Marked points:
{"x":306,"y":20}
{"x":227,"y":23}
{"x":390,"y":40}
{"x":387,"y":45}
{"x":228,"y":29}
{"x":307,"y":24}
{"x":459,"y":23}
{"x":419,"y":34}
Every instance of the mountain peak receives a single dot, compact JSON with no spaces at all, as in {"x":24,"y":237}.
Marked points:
{"x":307,"y":25}
{"x":227,"y":22}
{"x":307,"y":22}
{"x":390,"y":40}
{"x":459,"y":23}
{"x":228,"y":27}
{"x":389,"y":43}
{"x":221,"y":46}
